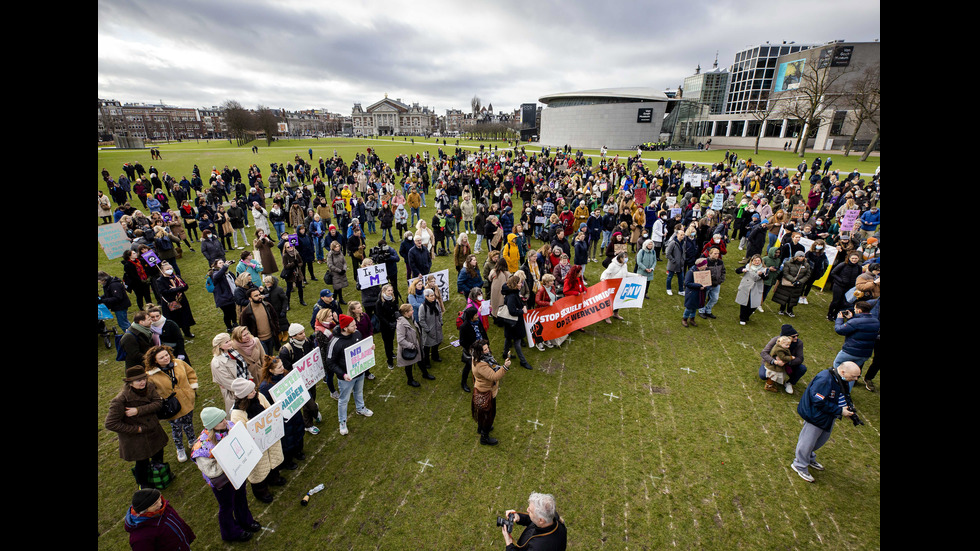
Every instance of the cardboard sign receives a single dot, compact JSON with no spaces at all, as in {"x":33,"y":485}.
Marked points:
{"x":372,"y":276}
{"x":359,"y":357}
{"x":671,"y":201}
{"x":291,"y":393}
{"x":442,"y":280}
{"x":311,"y":367}
{"x":702,"y":277}
{"x":151,"y":258}
{"x":640,"y":195}
{"x":718,"y":202}
{"x":798,"y":210}
{"x":237,"y":454}
{"x":113,"y":239}
{"x":268,"y":427}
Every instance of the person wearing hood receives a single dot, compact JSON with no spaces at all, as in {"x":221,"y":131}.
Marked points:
{"x":617,"y":269}
{"x":795,"y":273}
{"x":133,"y":416}
{"x":152,"y":523}
{"x":694,"y":295}
{"x":511,"y":253}
{"x":235,"y":520}
{"x":646,"y":263}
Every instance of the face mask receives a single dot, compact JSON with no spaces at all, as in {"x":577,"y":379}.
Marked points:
{"x":819,"y":248}
{"x":168,"y":272}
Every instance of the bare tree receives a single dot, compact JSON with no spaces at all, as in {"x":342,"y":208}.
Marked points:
{"x":819,"y":90}
{"x":865,"y":99}
{"x":238,"y":120}
{"x":764,"y":114}
{"x":267,"y":120}
{"x":475,"y":104}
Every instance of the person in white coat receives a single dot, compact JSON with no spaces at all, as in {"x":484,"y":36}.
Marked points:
{"x":617,"y":269}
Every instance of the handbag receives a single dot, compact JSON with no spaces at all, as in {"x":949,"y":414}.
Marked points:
{"x":159,"y":475}
{"x":410,"y":353}
{"x":481,"y":400}
{"x":504,"y":314}
{"x":328,"y":278}
{"x":171,"y":407}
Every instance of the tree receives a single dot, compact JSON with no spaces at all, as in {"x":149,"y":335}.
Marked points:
{"x":763,"y":115}
{"x":819,"y":90}
{"x":475,"y":104}
{"x":865,"y":100}
{"x":238,"y":120}
{"x":267,"y":120}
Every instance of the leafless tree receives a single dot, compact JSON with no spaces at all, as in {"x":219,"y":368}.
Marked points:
{"x":267,"y":120}
{"x":819,"y":90}
{"x":238,"y":120}
{"x":764,"y":114}
{"x":864,"y":97}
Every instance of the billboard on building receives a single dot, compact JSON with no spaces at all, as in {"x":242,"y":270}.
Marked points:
{"x":529,"y":112}
{"x":283,"y":128}
{"x":837,"y":56}
{"x":789,"y":75}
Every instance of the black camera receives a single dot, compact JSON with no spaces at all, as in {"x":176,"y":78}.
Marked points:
{"x":508,"y":522}
{"x":854,"y":417}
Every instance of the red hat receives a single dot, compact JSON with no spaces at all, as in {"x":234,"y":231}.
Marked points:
{"x":345,"y":320}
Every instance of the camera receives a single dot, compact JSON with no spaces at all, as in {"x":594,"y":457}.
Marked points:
{"x":508,"y":522}
{"x":854,"y":417}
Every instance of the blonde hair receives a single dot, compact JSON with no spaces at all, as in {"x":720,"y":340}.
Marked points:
{"x":784,"y":341}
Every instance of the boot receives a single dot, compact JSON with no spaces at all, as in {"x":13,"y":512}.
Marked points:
{"x":465,"y":379}
{"x":411,"y":380}
{"x":771,"y":385}
{"x":425,"y":374}
{"x":301,"y":301}
{"x":261,"y":492}
{"x":692,"y":322}
{"x":487,"y":440}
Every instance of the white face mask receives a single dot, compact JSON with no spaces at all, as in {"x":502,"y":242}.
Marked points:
{"x":168,"y":272}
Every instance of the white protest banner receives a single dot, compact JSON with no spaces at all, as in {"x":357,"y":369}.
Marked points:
{"x":485,"y":308}
{"x":695,"y":180}
{"x":442,"y":280}
{"x":630,"y":293}
{"x":268,"y":427}
{"x":807,"y":243}
{"x":359,"y":357}
{"x":686,"y":178}
{"x":113,"y":239}
{"x":372,"y":276}
{"x":718,"y":201}
{"x":671,"y":200}
{"x":311,"y":367}
{"x":237,"y":454}
{"x":291,"y":393}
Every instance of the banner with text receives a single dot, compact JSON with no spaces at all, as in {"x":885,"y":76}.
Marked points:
{"x":291,"y":393}
{"x":359,"y":357}
{"x":237,"y":454}
{"x":594,"y":305}
{"x":311,"y":368}
{"x":268,"y":427}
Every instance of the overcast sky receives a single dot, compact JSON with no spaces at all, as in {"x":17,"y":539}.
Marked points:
{"x":313,"y":54}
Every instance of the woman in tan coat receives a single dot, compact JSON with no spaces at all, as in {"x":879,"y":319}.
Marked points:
{"x":263,"y":247}
{"x":250,"y":404}
{"x":171,"y":375}
{"x":251,"y":350}
{"x":337,"y":265}
{"x":486,"y":383}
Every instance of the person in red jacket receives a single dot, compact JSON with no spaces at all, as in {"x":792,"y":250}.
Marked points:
{"x":574,"y":282}
{"x":153,"y":523}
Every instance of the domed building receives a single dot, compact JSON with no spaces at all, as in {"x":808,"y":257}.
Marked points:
{"x":618,"y":118}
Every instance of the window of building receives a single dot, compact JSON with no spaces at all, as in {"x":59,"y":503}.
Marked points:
{"x":737,"y":128}
{"x":837,"y":124}
{"x":793,"y":128}
{"x":773,"y":128}
{"x":753,"y":128}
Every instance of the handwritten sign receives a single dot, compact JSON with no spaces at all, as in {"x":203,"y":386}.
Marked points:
{"x":113,"y":239}
{"x":718,"y":201}
{"x":372,"y":276}
{"x":850,"y":220}
{"x":640,"y":196}
{"x":442,"y":280}
{"x":359,"y":357}
{"x":291,"y":393}
{"x":237,"y":454}
{"x":703,"y":277}
{"x":268,"y":427}
{"x":310,"y":367}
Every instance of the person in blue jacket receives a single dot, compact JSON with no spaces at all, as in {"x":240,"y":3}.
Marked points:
{"x":822,"y":403}
{"x":860,"y":331}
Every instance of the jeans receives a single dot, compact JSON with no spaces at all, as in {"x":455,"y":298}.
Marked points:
{"x":423,"y":199}
{"x":479,"y":239}
{"x":794,"y":377}
{"x":711,"y":299}
{"x":606,"y":235}
{"x":689,"y":313}
{"x":318,"y":245}
{"x":122,"y":319}
{"x":680,"y":278}
{"x":371,"y":226}
{"x":468,"y":225}
{"x":345,"y":388}
{"x":415,"y":213}
{"x":391,"y":236}
{"x":234,"y":235}
{"x":280,"y":229}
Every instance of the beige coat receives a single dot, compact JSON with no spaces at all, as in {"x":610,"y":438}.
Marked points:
{"x":271,"y":457}
{"x":186,"y":385}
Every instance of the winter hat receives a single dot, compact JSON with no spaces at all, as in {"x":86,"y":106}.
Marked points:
{"x":295,"y":329}
{"x":788,"y":331}
{"x":212,"y":417}
{"x":144,"y":499}
{"x":135,"y":373}
{"x":701,"y":262}
{"x":345,"y":320}
{"x":799,"y":254}
{"x":242,"y":388}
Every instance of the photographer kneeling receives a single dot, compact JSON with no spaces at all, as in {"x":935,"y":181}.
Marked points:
{"x":545,"y":529}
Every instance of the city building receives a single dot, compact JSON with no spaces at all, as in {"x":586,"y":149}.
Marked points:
{"x":619,"y":118}
{"x":390,"y":117}
{"x":709,"y":87}
{"x":752,"y":73}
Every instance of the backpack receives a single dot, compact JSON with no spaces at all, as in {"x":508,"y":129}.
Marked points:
{"x":459,"y":319}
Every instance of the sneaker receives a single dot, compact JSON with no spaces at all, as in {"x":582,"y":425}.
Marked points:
{"x":703,"y":315}
{"x":759,"y":309}
{"x":343,"y":429}
{"x":681,"y":293}
{"x":335,"y":395}
{"x":370,"y":376}
{"x":789,"y":388}
{"x":869,"y":385}
{"x":319,"y":418}
{"x":791,"y":314}
{"x":815,"y":465}
{"x":181,"y":455}
{"x":391,"y":366}
{"x":549,"y":344}
{"x":365,"y":412}
{"x":670,"y":293}
{"x":781,"y":313}
{"x":803,"y":474}
{"x":802,"y":300}
{"x":741,"y":323}
{"x":540,"y":346}
{"x":312,"y":430}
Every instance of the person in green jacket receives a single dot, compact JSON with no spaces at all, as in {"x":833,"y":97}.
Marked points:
{"x":771,"y":260}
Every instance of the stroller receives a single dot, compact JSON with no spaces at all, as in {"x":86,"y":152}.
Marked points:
{"x":107,"y":333}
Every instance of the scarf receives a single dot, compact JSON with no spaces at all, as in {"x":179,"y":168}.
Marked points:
{"x":134,"y":518}
{"x":139,"y":270}
{"x":242,"y":367}
{"x":148,"y":333}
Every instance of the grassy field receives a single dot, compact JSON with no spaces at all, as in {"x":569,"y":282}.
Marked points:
{"x":650,"y":435}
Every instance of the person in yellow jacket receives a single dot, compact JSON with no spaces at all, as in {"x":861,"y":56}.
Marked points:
{"x":512,"y":253}
{"x":171,"y":375}
{"x":346,"y":194}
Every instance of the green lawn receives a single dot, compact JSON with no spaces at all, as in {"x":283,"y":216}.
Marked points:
{"x":650,"y":435}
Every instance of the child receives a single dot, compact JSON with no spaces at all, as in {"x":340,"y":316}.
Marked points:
{"x":776,"y":374}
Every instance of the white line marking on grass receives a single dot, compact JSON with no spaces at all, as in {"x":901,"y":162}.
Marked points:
{"x":611,"y":396}
{"x":535,"y":423}
{"x":688,"y":369}
{"x":386,"y":396}
{"x":424,"y":465}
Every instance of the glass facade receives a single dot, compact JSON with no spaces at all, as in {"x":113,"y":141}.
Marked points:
{"x":751,"y":76}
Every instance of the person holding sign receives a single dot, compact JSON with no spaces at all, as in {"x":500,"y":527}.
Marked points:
{"x":234,"y":517}
{"x":249,"y":405}
{"x":291,"y":353}
{"x":345,"y":334}
{"x":293,"y":439}
{"x":694,"y":294}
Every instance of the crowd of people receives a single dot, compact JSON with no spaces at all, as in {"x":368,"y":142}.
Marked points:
{"x":543,"y":220}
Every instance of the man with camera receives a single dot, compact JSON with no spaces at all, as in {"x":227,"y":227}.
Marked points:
{"x":826,"y":399}
{"x":545,"y":529}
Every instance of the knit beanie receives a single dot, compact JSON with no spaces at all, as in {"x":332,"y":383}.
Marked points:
{"x":787,"y":331}
{"x":144,"y":499}
{"x":212,"y":417}
{"x":295,"y":329}
{"x":242,"y":388}
{"x":345,"y":320}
